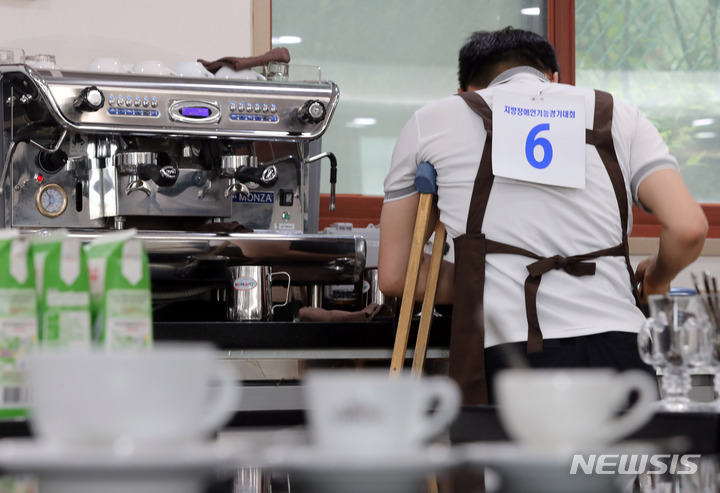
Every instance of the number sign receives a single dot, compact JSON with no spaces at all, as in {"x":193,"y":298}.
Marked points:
{"x":539,"y":138}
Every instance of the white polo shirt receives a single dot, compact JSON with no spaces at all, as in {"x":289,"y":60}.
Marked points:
{"x":544,"y":219}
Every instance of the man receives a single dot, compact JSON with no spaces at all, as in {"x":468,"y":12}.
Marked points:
{"x":535,"y":180}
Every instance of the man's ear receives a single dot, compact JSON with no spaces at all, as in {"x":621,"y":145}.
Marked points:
{"x":555,"y":77}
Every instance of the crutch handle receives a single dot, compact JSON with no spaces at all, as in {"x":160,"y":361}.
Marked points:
{"x":425,"y":178}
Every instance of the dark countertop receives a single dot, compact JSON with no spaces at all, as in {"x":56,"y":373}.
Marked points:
{"x":482,"y":423}
{"x":380,"y":333}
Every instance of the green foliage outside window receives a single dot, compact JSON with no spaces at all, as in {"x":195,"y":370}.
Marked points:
{"x":663,"y":56}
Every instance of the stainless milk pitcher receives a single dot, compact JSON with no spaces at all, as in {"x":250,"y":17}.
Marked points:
{"x":251,"y":293}
{"x":372,"y":293}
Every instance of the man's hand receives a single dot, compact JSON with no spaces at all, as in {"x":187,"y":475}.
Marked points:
{"x":647,"y":285}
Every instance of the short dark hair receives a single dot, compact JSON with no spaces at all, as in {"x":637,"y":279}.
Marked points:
{"x":486,"y":51}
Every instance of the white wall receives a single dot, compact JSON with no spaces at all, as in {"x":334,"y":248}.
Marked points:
{"x":76,"y":31}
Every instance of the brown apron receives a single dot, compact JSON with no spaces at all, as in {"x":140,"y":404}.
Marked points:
{"x":467,"y":340}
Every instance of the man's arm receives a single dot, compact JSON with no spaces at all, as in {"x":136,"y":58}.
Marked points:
{"x":397,"y":223}
{"x":684,"y":227}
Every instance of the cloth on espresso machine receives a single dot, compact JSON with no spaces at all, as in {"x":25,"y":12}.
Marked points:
{"x":314,"y":314}
{"x":224,"y":227}
{"x":280,"y":54}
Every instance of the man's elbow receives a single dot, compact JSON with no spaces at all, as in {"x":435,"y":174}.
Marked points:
{"x":390,"y":285}
{"x":700,"y":233}
{"x":693,"y":232}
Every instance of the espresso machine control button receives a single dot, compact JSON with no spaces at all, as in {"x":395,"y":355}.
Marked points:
{"x":90,"y":99}
{"x":286,"y":197}
{"x":313,"y":111}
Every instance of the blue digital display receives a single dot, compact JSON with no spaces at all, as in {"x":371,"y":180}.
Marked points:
{"x":195,"y":111}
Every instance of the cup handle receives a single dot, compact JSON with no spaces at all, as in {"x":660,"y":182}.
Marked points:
{"x":645,"y":342}
{"x":287,"y":293}
{"x":443,"y":392}
{"x":221,"y":407}
{"x":641,"y":411}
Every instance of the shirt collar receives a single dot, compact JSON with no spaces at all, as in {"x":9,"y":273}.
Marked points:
{"x":510,"y":73}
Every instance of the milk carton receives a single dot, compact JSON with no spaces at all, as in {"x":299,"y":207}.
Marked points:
{"x":18,"y":322}
{"x":120,"y":290}
{"x":18,"y":483}
{"x":63,"y":290}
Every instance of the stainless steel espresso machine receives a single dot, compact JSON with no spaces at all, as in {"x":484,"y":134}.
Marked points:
{"x":211,"y":172}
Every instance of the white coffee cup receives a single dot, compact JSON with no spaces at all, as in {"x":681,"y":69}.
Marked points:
{"x":152,"y":67}
{"x":246,"y":74}
{"x":566,"y":409}
{"x":107,"y":65}
{"x":41,"y":61}
{"x":191,"y":69}
{"x":368,"y":412}
{"x":11,"y":55}
{"x":175,"y":393}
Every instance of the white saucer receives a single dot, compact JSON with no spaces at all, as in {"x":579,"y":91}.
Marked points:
{"x":319,"y":470}
{"x":38,"y":457}
{"x":313,"y":459}
{"x":525,"y":469}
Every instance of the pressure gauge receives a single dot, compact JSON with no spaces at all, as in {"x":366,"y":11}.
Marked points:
{"x":51,"y":200}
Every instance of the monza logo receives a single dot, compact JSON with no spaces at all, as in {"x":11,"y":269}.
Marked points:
{"x":255,"y":198}
{"x":244,"y":283}
{"x":635,"y":464}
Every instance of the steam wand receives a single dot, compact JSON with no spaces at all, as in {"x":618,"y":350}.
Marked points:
{"x":11,"y":152}
{"x":333,"y":173}
{"x":333,"y":169}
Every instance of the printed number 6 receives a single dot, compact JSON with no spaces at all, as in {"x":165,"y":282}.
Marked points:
{"x":533,"y":141}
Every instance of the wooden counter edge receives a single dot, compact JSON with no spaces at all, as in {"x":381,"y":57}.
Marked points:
{"x":648,"y":246}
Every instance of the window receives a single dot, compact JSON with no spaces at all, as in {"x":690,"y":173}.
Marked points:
{"x":388,"y":58}
{"x":661,"y":55}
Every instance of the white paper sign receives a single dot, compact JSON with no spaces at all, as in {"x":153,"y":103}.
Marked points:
{"x":538,"y":138}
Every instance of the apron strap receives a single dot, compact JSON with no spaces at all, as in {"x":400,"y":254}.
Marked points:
{"x":601,"y":137}
{"x":467,"y":333}
{"x":484,"y":179}
{"x":576,"y":265}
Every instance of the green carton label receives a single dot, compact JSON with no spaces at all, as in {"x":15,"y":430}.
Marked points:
{"x":64,"y":291}
{"x":120,"y":292}
{"x":18,"y":323}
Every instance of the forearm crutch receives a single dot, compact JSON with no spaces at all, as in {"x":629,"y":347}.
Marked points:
{"x":427,"y":187}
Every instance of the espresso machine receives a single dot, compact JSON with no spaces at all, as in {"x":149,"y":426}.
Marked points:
{"x":211,"y":172}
